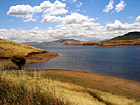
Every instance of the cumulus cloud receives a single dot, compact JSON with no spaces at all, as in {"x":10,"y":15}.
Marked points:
{"x":51,"y":19}
{"x":74,"y":25}
{"x":76,"y":18}
{"x":73,"y":18}
{"x":109,"y":6}
{"x":29,"y":19}
{"x":119,"y":26}
{"x":19,"y":10}
{"x":138,"y":19}
{"x":120,"y":6}
{"x":56,"y":12}
{"x":86,"y":31}
{"x":56,"y":8}
{"x":28,"y":12}
{"x":24,"y":11}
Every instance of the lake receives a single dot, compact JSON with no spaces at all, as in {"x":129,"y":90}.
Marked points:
{"x":121,"y":62}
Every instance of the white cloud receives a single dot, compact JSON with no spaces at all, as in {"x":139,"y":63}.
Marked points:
{"x":36,"y":28}
{"x":56,"y":8}
{"x":79,"y":5}
{"x":58,"y":4}
{"x":76,"y":18}
{"x":74,"y":25}
{"x":57,"y":12}
{"x":120,"y":6}
{"x":86,"y":31}
{"x":19,"y":10}
{"x":36,"y":9}
{"x":73,"y":19}
{"x":109,"y":6}
{"x":28,"y":12}
{"x":46,"y":4}
{"x":51,"y":19}
{"x":138,"y":19}
{"x":29,"y":19}
{"x":118,"y":26}
{"x":24,"y":11}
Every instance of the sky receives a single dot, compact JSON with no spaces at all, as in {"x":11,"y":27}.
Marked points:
{"x":86,"y":20}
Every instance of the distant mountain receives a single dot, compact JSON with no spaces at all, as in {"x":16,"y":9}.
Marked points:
{"x":129,"y":39}
{"x":60,"y":41}
{"x":30,"y":43}
{"x":128,"y":36}
{"x":65,"y":41}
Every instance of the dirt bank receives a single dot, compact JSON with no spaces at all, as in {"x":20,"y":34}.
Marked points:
{"x":31,"y":59}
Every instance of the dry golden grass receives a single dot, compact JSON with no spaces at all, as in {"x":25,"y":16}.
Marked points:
{"x":52,"y":91}
{"x":10,"y":48}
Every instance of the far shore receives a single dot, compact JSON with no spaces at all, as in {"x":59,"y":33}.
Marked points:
{"x":109,"y":43}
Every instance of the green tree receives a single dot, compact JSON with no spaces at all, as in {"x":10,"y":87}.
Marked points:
{"x":18,"y":60}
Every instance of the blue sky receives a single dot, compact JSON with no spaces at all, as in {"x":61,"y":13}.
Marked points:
{"x":87,"y":20}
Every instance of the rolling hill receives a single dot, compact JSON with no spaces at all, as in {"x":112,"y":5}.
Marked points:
{"x":9,"y":48}
{"x":60,"y":41}
{"x":65,"y":41}
{"x":128,"y":36}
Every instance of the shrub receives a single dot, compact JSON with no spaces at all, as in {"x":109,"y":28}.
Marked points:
{"x":44,"y":51}
{"x":18,"y":60}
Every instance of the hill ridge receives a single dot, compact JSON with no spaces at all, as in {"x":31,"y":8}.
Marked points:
{"x":59,"y":41}
{"x":9,"y":48}
{"x":129,"y":36}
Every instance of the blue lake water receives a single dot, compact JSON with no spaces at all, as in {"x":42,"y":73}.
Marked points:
{"x":121,"y":62}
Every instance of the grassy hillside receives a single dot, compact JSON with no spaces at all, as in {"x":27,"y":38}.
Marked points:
{"x":32,"y":88}
{"x":9,"y":48}
{"x":128,"y":36}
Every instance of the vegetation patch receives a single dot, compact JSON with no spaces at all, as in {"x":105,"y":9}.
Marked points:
{"x":22,"y":87}
{"x":10,"y":48}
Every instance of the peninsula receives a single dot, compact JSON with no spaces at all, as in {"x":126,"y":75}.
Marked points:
{"x":32,"y":54}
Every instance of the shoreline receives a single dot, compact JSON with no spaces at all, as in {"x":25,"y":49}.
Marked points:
{"x":31,"y":59}
{"x":115,"y":85}
{"x":78,"y":71}
{"x":109,"y":43}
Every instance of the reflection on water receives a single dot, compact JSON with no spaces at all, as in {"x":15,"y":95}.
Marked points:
{"x":116,"y":61}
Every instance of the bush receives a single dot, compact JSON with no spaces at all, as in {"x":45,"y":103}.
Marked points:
{"x":18,"y":60}
{"x":44,"y":51}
